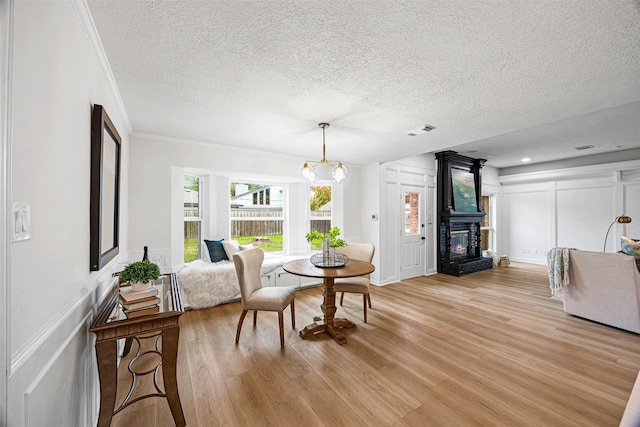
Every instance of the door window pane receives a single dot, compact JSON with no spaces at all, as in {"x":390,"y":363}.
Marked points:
{"x":411,"y":214}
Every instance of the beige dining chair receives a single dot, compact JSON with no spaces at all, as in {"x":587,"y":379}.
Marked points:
{"x":359,"y":284}
{"x":257,"y":298}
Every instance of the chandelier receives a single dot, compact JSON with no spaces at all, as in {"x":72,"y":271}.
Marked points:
{"x":308,"y":169}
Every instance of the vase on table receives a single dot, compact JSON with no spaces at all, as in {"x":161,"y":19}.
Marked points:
{"x":328,"y":253}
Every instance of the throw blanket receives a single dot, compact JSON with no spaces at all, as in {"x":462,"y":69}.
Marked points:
{"x":558,"y":263}
{"x":206,"y":284}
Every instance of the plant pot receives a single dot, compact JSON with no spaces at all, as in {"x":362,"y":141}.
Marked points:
{"x":140,"y":286}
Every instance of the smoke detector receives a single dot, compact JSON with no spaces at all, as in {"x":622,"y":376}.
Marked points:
{"x":420,"y":131}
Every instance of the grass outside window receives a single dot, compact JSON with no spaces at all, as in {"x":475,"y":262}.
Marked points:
{"x":273,"y":245}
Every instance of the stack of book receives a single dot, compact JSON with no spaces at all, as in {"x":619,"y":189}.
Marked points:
{"x":139,"y":303}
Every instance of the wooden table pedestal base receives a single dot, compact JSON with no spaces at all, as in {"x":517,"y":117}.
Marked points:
{"x":328,"y":323}
{"x":334,"y":330}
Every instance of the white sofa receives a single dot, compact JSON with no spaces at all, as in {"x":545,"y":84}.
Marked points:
{"x":604,"y":287}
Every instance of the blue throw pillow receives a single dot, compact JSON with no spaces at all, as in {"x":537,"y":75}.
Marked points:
{"x":216,"y":250}
{"x":630,"y":247}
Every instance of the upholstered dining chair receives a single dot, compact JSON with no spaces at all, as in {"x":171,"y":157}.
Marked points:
{"x":359,"y":284}
{"x":257,"y":298}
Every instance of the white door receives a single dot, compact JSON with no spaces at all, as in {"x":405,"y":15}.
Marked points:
{"x":412,"y":251}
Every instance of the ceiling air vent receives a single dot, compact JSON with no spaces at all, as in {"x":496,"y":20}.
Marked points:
{"x":420,"y":131}
{"x":584,"y":147}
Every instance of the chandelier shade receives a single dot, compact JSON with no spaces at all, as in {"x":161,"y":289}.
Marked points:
{"x":308,"y":169}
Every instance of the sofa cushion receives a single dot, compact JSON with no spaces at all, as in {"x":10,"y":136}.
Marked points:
{"x":630,"y":247}
{"x":230,"y":248}
{"x":216,"y":251}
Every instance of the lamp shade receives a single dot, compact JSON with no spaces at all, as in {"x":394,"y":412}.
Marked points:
{"x":308,"y":172}
{"x":622,"y":219}
{"x":338,"y":173}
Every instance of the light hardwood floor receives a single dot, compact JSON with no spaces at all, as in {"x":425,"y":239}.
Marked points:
{"x":489,"y":349}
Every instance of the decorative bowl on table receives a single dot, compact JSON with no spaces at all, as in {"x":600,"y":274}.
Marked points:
{"x":338,"y":260}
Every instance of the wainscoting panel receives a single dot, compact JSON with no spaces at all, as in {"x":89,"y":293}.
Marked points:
{"x":582,"y":209}
{"x":525,"y":221}
{"x":66,"y":375}
{"x":632,"y":208}
{"x":54,"y":382}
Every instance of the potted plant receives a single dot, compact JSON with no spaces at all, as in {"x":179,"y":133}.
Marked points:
{"x":139,"y":275}
{"x":330,"y":242}
{"x":331,"y":237}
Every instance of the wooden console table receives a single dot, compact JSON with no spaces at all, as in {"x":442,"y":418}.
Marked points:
{"x":111,"y":324}
{"x":331,"y":325}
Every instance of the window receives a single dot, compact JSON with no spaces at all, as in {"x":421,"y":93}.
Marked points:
{"x":487,"y":230}
{"x":256,"y":215}
{"x":319,"y":209}
{"x":192,"y":217}
{"x":262,"y":196}
{"x":411,"y":214}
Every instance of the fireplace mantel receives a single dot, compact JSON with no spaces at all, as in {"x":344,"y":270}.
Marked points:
{"x":459,"y":196}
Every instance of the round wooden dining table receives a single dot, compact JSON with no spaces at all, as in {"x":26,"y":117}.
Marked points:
{"x":330,"y":325}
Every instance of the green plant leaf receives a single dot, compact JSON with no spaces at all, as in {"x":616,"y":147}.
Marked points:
{"x":140,"y":271}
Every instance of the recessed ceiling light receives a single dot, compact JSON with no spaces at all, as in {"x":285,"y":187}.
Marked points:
{"x":525,"y":159}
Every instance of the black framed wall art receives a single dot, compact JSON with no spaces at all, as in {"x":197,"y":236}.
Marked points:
{"x":105,"y":189}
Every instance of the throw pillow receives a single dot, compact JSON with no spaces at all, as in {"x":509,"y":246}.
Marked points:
{"x":216,"y":251}
{"x":230,"y":247}
{"x":630,"y":247}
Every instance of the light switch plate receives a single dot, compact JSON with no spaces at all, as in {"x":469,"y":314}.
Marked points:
{"x":21,"y":221}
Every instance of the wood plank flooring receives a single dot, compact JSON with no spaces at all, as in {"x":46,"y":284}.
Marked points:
{"x":489,"y":349}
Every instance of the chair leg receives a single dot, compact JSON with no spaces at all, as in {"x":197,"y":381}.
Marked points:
{"x":369,"y":299}
{"x":341,"y":297}
{"x":364,"y":300}
{"x":281,"y":326}
{"x":255,"y":317}
{"x":244,"y":313}
{"x":293,"y":314}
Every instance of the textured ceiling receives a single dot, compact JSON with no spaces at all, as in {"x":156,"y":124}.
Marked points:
{"x":492,"y":76}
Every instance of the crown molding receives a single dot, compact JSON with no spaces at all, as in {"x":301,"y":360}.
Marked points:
{"x":86,"y":20}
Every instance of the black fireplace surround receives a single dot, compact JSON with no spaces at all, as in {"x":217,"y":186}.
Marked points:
{"x":459,"y":215}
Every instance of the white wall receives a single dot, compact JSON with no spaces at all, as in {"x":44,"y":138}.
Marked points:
{"x":571,"y":207}
{"x":56,"y":76}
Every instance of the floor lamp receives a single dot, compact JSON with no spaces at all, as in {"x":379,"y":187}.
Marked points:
{"x":622,"y":219}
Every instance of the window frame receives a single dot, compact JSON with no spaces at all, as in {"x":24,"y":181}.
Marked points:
{"x":309,"y":211}
{"x":258,"y":199}
{"x":200,"y":217}
{"x":491,"y":220}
